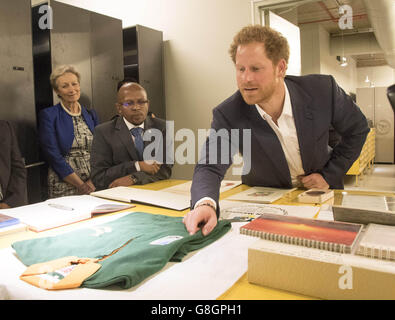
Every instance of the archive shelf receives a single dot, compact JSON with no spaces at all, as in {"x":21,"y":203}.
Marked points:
{"x":366,"y":158}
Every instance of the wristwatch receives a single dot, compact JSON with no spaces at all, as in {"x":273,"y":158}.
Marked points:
{"x":134,"y":179}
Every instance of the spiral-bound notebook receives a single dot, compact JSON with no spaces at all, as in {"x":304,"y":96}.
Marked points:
{"x":378,"y":241}
{"x":320,"y":234}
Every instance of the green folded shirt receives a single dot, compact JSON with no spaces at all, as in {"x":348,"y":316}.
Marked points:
{"x":146,"y":242}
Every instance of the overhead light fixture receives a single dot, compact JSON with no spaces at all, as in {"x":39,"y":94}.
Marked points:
{"x":369,"y":82}
{"x":343,"y":59}
{"x":343,"y":62}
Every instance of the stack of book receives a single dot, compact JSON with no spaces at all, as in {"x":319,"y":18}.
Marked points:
{"x":324,"y":259}
{"x":10,"y":225}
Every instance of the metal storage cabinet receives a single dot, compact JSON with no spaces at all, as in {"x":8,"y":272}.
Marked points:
{"x":17,"y":85}
{"x":376,"y":107}
{"x":143,"y":61}
{"x":106,"y":63}
{"x":91,"y":42}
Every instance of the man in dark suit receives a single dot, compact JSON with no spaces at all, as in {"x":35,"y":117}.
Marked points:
{"x":289,"y":119}
{"x":119,"y":154}
{"x":13,"y":192}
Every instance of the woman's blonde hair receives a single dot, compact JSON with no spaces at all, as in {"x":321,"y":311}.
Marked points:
{"x":276,"y":46}
{"x":60,"y":71}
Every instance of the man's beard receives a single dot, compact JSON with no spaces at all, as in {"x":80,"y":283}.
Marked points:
{"x":259,"y":95}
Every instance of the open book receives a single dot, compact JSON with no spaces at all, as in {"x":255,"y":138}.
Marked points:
{"x":185,"y":188}
{"x":56,"y":212}
{"x":151,"y":197}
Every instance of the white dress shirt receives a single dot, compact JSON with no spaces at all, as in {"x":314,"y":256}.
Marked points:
{"x":286,"y":133}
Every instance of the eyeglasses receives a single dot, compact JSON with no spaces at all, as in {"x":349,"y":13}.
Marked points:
{"x":132,"y":103}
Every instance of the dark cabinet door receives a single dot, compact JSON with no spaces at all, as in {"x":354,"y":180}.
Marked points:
{"x":17,"y":97}
{"x":143,"y":61}
{"x":106,"y":63}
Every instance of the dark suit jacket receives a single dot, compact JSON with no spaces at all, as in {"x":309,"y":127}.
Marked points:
{"x":56,"y":133}
{"x":12,"y":168}
{"x":317,"y":103}
{"x":113,"y":153}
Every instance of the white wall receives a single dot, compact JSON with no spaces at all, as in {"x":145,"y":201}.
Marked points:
{"x":310,"y":49}
{"x":317,"y":58}
{"x":382,"y":76}
{"x":197,"y":33}
{"x":346,"y":77}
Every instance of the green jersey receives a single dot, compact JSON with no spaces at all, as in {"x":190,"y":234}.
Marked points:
{"x":129,"y":249}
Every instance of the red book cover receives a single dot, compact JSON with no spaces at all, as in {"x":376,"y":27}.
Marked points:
{"x":336,"y":232}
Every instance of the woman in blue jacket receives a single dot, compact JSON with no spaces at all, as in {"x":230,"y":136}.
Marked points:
{"x":66,"y":133}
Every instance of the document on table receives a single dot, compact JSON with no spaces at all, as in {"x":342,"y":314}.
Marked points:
{"x":239,"y":211}
{"x":151,"y":197}
{"x":261,"y":194}
{"x":185,"y":188}
{"x":61,"y":211}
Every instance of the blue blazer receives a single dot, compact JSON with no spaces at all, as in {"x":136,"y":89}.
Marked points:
{"x":318,"y":104}
{"x":56,"y":134}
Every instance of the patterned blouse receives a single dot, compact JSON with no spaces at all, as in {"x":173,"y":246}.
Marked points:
{"x":78,"y":158}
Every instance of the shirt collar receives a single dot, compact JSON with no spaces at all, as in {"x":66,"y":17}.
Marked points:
{"x":131,"y":125}
{"x":287,"y":107}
